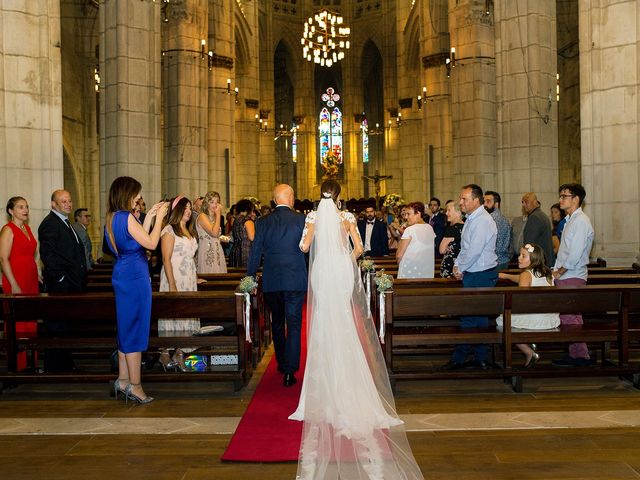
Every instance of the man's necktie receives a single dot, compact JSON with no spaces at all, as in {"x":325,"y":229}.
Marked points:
{"x":66,"y":220}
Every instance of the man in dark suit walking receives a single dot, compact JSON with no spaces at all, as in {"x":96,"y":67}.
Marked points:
{"x":65,"y":269}
{"x":284,"y":277}
{"x":373,"y":233}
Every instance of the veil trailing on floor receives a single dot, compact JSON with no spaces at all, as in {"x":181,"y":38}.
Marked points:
{"x":351,"y":429}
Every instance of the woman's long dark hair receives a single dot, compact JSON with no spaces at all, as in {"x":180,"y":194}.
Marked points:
{"x":175,"y":215}
{"x":121,"y":194}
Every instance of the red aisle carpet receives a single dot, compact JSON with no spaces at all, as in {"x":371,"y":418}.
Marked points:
{"x":265,"y":434}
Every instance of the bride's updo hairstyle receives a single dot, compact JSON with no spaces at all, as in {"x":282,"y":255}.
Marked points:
{"x":330,"y":187}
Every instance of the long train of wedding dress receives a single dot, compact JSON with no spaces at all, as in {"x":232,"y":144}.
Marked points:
{"x":351,"y":429}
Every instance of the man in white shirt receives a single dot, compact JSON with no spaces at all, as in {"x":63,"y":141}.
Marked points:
{"x":374,"y":234}
{"x":571,"y":262}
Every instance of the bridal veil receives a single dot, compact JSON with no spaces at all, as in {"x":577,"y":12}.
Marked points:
{"x":351,"y":429}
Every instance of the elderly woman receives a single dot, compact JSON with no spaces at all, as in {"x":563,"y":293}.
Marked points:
{"x":415,"y":252}
{"x":450,"y":244}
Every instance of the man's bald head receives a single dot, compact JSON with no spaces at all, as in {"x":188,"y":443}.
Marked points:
{"x":283,"y":195}
{"x":61,"y":202}
{"x":530,"y":202}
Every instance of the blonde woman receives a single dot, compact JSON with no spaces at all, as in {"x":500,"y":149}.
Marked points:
{"x":208,"y":226}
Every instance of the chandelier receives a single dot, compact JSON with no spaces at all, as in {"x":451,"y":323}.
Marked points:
{"x":325,"y":38}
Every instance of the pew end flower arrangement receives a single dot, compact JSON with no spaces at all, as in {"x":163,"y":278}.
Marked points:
{"x":247,"y":284}
{"x":383,"y":281}
{"x":367,"y":265}
{"x":246,"y":288}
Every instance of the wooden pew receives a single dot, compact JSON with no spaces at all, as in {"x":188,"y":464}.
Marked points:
{"x":410,"y":314}
{"x":93,"y":317}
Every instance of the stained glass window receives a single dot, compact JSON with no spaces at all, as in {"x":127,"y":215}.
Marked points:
{"x":294,"y":143}
{"x":365,"y":141}
{"x":330,"y":125}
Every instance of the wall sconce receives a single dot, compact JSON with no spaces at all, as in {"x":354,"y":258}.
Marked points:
{"x":96,"y":78}
{"x":285,"y":132}
{"x":372,"y":131}
{"x":422,"y":98}
{"x":261,"y":121}
{"x":399,"y":119}
{"x":452,"y":56}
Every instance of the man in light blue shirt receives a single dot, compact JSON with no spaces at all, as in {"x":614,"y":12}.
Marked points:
{"x":476,"y":266}
{"x":571,"y":262}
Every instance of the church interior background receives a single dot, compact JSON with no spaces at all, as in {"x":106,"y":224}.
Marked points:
{"x":195,"y":95}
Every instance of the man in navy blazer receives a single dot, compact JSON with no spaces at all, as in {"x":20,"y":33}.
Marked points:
{"x":373,"y":233}
{"x":284,"y":277}
{"x":65,"y":271}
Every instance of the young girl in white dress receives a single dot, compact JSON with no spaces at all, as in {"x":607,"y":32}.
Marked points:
{"x":535,"y":273}
{"x":351,"y":429}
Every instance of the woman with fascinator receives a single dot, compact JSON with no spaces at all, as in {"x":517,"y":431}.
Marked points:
{"x":351,"y":429}
{"x":179,"y":243}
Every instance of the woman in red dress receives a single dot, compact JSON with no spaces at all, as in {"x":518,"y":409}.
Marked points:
{"x":17,"y":259}
{"x":17,"y":251}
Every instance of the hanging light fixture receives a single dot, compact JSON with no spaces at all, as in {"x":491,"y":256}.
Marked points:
{"x":325,"y":38}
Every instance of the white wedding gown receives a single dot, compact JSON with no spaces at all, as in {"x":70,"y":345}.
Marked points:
{"x":351,"y":429}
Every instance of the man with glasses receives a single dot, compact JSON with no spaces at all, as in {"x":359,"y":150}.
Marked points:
{"x":82,"y":220}
{"x":571,"y":262}
{"x":476,"y":267}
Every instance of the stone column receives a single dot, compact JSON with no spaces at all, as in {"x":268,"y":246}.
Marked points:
{"x":130,"y":52}
{"x":436,"y":105}
{"x":527,"y":109}
{"x":184,"y":74}
{"x":31,"y":158}
{"x":246,"y":135}
{"x":610,"y":125}
{"x":473,"y":94}
{"x":221,"y":152}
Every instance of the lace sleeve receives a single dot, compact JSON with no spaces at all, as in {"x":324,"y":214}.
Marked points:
{"x":310,"y":220}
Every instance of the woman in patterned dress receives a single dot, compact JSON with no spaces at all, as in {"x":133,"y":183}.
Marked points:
{"x":179,"y":245}
{"x":208,"y":226}
{"x":244,"y":229}
{"x":450,"y":244}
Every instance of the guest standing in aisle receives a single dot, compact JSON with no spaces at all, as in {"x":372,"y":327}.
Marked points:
{"x":131,"y":282}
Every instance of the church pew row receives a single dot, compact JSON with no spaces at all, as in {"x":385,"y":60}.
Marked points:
{"x":260,"y":326}
{"x":260,"y":331}
{"x":419,"y":318}
{"x":92,"y":316}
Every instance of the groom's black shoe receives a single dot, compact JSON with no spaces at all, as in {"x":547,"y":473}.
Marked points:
{"x":289,"y":380}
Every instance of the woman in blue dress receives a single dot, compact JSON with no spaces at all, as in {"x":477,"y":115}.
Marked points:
{"x":128,"y":239}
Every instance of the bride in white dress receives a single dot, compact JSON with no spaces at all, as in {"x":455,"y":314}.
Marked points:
{"x":351,"y":429}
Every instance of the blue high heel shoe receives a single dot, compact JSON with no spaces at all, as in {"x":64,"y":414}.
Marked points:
{"x":128,"y":392}
{"x":116,"y":386}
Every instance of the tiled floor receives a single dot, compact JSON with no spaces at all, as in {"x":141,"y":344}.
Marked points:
{"x":556,"y":429}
